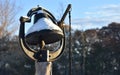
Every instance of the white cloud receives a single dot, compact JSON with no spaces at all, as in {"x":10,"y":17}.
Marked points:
{"x":98,"y":17}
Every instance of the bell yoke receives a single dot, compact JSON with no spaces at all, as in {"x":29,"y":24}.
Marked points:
{"x":45,"y":30}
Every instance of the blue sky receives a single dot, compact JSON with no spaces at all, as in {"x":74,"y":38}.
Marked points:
{"x":86,"y":14}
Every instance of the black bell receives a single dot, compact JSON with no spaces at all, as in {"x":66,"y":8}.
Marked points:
{"x":44,"y":28}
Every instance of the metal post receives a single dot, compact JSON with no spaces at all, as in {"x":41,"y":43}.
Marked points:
{"x":43,"y":68}
{"x":70,"y":46}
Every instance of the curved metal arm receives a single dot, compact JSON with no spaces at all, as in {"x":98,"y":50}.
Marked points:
{"x":57,"y":53}
{"x":28,"y":51}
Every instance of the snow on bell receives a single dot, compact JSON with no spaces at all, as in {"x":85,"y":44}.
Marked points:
{"x":43,"y":29}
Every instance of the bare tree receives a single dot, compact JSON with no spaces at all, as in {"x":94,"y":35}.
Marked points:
{"x":60,"y":10}
{"x":8,"y":11}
